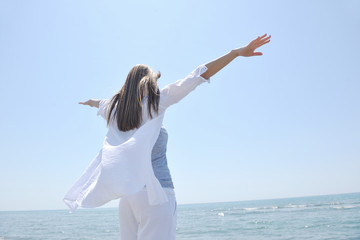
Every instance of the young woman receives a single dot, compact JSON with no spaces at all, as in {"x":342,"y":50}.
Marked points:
{"x":128,"y":114}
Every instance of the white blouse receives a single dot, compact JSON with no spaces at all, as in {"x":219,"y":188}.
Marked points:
{"x":123,"y":165}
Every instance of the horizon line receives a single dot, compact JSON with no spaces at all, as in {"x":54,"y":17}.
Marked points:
{"x":276,"y":198}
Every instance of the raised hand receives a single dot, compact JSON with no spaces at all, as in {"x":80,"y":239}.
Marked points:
{"x":88,"y":102}
{"x":91,"y":103}
{"x":249,"y":50}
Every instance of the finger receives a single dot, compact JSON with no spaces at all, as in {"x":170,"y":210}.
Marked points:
{"x":257,"y":54}
{"x":259,"y":40}
{"x":265,"y":39}
{"x":268,"y":38}
{"x":260,"y":44}
{"x":256,"y":39}
{"x":263,"y":35}
{"x":253,"y":41}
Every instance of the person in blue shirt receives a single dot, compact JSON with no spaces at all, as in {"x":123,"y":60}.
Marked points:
{"x":137,"y":102}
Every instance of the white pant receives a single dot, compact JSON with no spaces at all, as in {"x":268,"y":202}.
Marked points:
{"x":140,"y":221}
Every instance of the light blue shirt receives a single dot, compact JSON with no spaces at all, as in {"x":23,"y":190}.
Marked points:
{"x":159,"y":161}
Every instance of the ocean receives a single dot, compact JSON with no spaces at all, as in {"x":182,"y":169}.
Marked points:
{"x":321,"y":217}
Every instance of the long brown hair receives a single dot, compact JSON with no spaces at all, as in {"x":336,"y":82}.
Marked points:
{"x":127,"y":103}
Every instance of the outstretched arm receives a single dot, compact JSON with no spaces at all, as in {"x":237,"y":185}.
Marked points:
{"x":91,"y":103}
{"x":247,"y":51}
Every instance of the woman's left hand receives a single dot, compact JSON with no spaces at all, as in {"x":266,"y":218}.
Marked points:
{"x":249,"y":50}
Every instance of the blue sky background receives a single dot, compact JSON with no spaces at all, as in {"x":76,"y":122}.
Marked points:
{"x":281,"y":125}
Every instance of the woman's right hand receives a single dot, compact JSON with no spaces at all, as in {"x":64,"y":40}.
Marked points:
{"x":91,"y":103}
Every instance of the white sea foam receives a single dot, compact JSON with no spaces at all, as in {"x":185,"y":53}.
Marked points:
{"x":271,"y":207}
{"x":343,"y":207}
{"x":221,"y":214}
{"x":260,"y":208}
{"x":337,"y":207}
{"x":251,"y":209}
{"x":296,"y":206}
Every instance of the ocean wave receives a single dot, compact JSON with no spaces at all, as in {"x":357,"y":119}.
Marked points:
{"x":251,"y":209}
{"x":343,"y":207}
{"x":334,"y":205}
{"x":295,"y":206}
{"x":261,"y":208}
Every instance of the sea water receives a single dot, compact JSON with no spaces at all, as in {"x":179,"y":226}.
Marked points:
{"x":322,"y":217}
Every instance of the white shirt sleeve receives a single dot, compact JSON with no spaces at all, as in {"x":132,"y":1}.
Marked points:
{"x":103,"y":108}
{"x":176,"y":91}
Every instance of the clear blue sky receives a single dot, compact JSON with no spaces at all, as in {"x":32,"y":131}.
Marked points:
{"x":281,"y":125}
